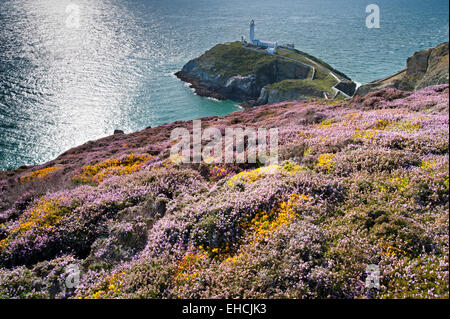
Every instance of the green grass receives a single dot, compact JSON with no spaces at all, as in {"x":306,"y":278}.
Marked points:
{"x":233,"y":59}
{"x":324,"y":85}
{"x":340,"y":97}
{"x":322,"y":68}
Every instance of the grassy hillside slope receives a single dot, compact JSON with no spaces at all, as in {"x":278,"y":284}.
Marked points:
{"x":360,"y":182}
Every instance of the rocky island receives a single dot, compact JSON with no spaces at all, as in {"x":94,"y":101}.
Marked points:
{"x":247,"y":73}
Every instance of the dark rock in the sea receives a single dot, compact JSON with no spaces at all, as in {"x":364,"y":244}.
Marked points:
{"x":117,"y":132}
{"x":424,"y":68}
{"x":201,"y":89}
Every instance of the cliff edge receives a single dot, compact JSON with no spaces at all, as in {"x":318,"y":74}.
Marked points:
{"x":424,"y":68}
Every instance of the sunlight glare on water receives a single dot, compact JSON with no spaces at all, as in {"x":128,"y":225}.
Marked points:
{"x":61,"y":86}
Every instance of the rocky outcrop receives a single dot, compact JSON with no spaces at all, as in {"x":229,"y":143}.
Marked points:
{"x":437,"y":68}
{"x":271,"y":95}
{"x":424,"y":68}
{"x":236,"y":86}
{"x":233,"y":71}
{"x":346,"y":86}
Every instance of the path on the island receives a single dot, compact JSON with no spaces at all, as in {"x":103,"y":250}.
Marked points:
{"x":334,"y":88}
{"x":285,"y":58}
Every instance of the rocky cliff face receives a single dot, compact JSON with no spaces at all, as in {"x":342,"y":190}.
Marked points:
{"x":301,"y":90}
{"x":424,"y":68}
{"x":273,"y":95}
{"x":290,"y":92}
{"x":233,"y":71}
{"x":236,"y":86}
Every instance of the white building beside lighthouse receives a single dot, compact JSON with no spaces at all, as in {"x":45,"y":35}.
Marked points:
{"x":260,"y":43}
{"x":270,"y":45}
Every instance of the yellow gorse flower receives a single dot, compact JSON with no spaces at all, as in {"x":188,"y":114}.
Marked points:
{"x":400,"y":183}
{"x":186,"y":269}
{"x":326,"y":124}
{"x":112,"y":288}
{"x":265,"y":223}
{"x":287,"y":169}
{"x":428,"y":165}
{"x":326,"y":161}
{"x":45,"y":215}
{"x":368,"y":135}
{"x":406,"y":126}
{"x":95,"y":174}
{"x":258,"y":228}
{"x":39,"y":174}
{"x":389,"y":250}
{"x":371,"y":135}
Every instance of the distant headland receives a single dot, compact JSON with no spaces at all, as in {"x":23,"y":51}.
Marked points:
{"x":424,"y":68}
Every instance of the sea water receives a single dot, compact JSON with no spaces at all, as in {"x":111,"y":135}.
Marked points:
{"x":64,"y":83}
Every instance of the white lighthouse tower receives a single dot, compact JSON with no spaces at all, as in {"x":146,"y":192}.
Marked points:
{"x":252,"y":31}
{"x":269,"y":45}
